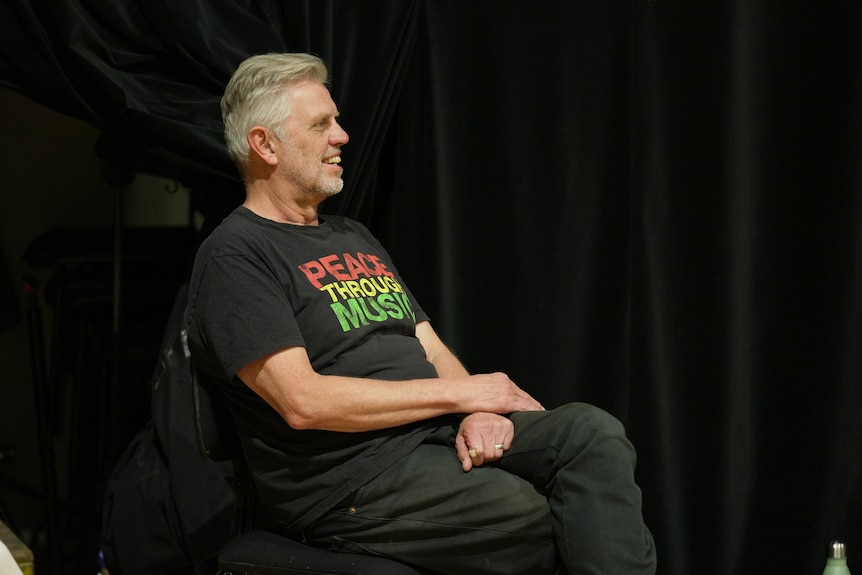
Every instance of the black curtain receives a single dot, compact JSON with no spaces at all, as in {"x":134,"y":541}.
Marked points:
{"x":747,"y":280}
{"x":650,"y":206}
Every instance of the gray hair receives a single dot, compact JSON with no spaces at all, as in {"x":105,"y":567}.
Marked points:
{"x":259,"y":94}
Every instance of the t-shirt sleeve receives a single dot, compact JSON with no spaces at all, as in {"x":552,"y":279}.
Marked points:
{"x":239,"y":313}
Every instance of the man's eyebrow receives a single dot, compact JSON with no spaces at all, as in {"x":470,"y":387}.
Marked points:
{"x":324,"y":116}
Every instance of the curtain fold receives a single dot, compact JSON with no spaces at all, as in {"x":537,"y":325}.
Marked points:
{"x":749,"y":148}
{"x":150,"y":74}
{"x":651,"y":206}
{"x":527,"y":142}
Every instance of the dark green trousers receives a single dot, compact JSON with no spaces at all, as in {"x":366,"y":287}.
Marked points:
{"x":562,"y":500}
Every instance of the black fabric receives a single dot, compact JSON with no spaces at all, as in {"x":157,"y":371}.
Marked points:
{"x":257,"y":551}
{"x":10,"y":309}
{"x":151,"y":74}
{"x":216,"y":431}
{"x":140,"y":530}
{"x":331,"y":288}
{"x":651,"y":206}
{"x":166,"y":508}
{"x":267,"y":553}
{"x":258,"y":287}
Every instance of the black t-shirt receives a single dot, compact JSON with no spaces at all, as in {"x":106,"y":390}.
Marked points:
{"x":259,"y":286}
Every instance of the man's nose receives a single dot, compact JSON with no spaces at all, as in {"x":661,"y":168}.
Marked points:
{"x":338,"y":137}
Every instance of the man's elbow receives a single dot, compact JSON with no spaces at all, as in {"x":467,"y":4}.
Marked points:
{"x":308,"y":417}
{"x":299,"y":420}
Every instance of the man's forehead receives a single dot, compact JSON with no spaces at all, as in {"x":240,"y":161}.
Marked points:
{"x":313,"y":99}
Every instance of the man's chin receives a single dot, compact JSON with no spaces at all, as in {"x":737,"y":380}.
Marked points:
{"x":331,"y":189}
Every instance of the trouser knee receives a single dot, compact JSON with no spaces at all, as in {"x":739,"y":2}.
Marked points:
{"x":577,"y":434}
{"x":598,"y":428}
{"x":587,"y":418}
{"x":571,"y":422}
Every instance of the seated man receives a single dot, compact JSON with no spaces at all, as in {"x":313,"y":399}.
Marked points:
{"x":362,"y":431}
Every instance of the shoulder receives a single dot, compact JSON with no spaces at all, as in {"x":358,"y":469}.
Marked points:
{"x":338,"y":223}
{"x":346,"y":226}
{"x":240,"y":229}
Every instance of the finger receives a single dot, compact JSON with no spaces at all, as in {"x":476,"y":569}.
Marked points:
{"x":471,"y":459}
{"x":477,"y":455}
{"x":463,"y":453}
{"x":461,"y":446}
{"x":494,"y":451}
{"x":538,"y":405}
{"x":501,"y":445}
{"x":466,"y":464}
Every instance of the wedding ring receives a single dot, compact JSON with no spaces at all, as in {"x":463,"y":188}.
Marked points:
{"x":498,"y":446}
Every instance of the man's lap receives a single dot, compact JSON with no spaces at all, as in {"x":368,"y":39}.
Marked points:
{"x":427,"y":511}
{"x":496,"y":518}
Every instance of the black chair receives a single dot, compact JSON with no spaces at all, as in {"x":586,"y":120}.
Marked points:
{"x":260,"y":552}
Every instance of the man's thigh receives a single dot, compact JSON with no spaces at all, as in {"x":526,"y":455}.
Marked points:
{"x":425,"y":510}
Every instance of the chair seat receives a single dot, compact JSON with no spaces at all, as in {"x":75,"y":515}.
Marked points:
{"x":267,"y":553}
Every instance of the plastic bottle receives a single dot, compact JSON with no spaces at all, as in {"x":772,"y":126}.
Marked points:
{"x":836,"y":559}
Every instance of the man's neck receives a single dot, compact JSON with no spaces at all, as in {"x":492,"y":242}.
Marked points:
{"x":282,"y":208}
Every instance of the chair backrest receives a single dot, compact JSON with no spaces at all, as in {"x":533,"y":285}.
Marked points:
{"x":218,"y":440}
{"x":217,"y":436}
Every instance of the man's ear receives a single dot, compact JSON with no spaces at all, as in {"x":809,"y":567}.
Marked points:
{"x":264,"y":144}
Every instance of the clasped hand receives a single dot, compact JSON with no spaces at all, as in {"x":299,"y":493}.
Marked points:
{"x":482,"y":438}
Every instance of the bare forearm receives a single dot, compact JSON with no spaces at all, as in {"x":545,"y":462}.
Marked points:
{"x":334,"y":403}
{"x":352,"y":404}
{"x":309,"y":400}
